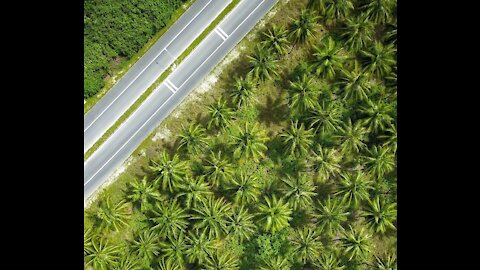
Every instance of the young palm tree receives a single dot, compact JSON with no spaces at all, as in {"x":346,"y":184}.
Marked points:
{"x":378,"y":11}
{"x":174,"y":250}
{"x":390,"y":33}
{"x":274,"y":214}
{"x":380,"y":161}
{"x":143,"y":194}
{"x":390,"y":138}
{"x":263,"y":63}
{"x":241,"y":225}
{"x":222,"y":260}
{"x":194,"y":191}
{"x":200,"y":247}
{"x":358,"y":33}
{"x":328,"y":261}
{"x":387,"y":262}
{"x":326,"y":162}
{"x":103,"y":255}
{"x":146,"y":246}
{"x":243,"y":90}
{"x":303,"y":94}
{"x":303,"y":29}
{"x":87,"y":240}
{"x":328,"y":59}
{"x":128,"y":262}
{"x":352,"y":137}
{"x":297,"y":139}
{"x":354,"y":188}
{"x":338,"y":10}
{"x":193,"y":139}
{"x":111,"y":216}
{"x":377,"y":115}
{"x":306,"y":245}
{"x":220,"y":115}
{"x":164,"y":264}
{"x":212,"y":217}
{"x":318,"y":5}
{"x":169,"y":218}
{"x":218,"y":169}
{"x":246,"y":188}
{"x":357,"y":244}
{"x":299,"y":192}
{"x":379,"y":215}
{"x":249,"y":142}
{"x":326,"y":116}
{"x":330,"y":215}
{"x":379,"y":59}
{"x":168,"y":172}
{"x":355,"y":84}
{"x":276,"y":39}
{"x":276,"y":263}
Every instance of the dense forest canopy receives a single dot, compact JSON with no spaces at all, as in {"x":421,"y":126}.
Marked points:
{"x":118,"y":28}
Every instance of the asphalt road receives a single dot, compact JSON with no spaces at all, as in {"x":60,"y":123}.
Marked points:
{"x":119,"y":146}
{"x":148,"y":68}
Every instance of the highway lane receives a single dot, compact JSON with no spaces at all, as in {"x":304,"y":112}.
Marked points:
{"x":148,"y":68}
{"x":169,"y":94}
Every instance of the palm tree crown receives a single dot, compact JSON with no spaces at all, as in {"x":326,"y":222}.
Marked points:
{"x":326,"y":162}
{"x":143,"y":193}
{"x":103,"y":255}
{"x":249,"y":142}
{"x":303,"y":29}
{"x":169,"y":218}
{"x":194,"y":191}
{"x":330,"y":215}
{"x":379,"y":59}
{"x":193,"y":139}
{"x":357,"y":243}
{"x":243,"y":90}
{"x":218,"y":169}
{"x":358,"y":33}
{"x":380,"y":161}
{"x":212,"y":217}
{"x":220,"y":114}
{"x":297,"y":139}
{"x":169,"y":172}
{"x":379,"y":215}
{"x":263,"y":63}
{"x":299,"y":191}
{"x":306,"y":245}
{"x":274,"y":214}
{"x":111,"y":216}
{"x":276,"y":39}
{"x":327,"y":59}
{"x":303,"y":94}
{"x":354,"y":188}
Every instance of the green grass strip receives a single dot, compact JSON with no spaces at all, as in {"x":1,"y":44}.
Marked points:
{"x":159,"y":81}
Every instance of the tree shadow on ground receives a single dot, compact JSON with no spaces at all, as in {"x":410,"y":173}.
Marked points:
{"x":274,"y":111}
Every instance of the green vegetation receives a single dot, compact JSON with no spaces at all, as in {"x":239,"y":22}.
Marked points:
{"x":295,"y":169}
{"x":116,"y":30}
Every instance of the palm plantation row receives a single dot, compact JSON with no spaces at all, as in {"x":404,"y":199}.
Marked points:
{"x":313,"y":187}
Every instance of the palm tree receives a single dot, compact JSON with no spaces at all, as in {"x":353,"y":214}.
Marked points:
{"x":328,"y":261}
{"x":303,"y":29}
{"x":168,"y":172}
{"x":222,"y":260}
{"x":379,"y":59}
{"x":306,"y":245}
{"x":387,"y":262}
{"x":249,"y":143}
{"x":195,"y":191}
{"x":354,"y":188}
{"x":327,"y":59}
{"x":318,"y":5}
{"x":174,"y":250}
{"x":352,"y":137}
{"x":218,"y":169}
{"x":243,"y":90}
{"x":146,"y":246}
{"x":193,"y":139}
{"x":200,"y":247}
{"x":263,"y":64}
{"x":390,"y":138}
{"x":143,"y":194}
{"x":338,"y":10}
{"x":274,"y":214}
{"x":297,"y":139}
{"x":299,"y":191}
{"x":377,"y":115}
{"x":111,"y":216}
{"x":303,"y":94}
{"x":169,"y":218}
{"x":379,"y":215}
{"x":103,"y":255}
{"x":358,"y":33}
{"x":326,"y":162}
{"x":326,"y":116}
{"x":128,"y":263}
{"x":355,"y":83}
{"x":241,"y":225}
{"x":276,"y":263}
{"x":390,"y":33}
{"x":276,"y":39}
{"x":87,"y":240}
{"x":357,"y":244}
{"x":378,"y":11}
{"x":212,"y":217}
{"x":245,"y":187}
{"x":330,"y":215}
{"x":169,"y":265}
{"x":220,"y":114}
{"x":380,"y":161}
